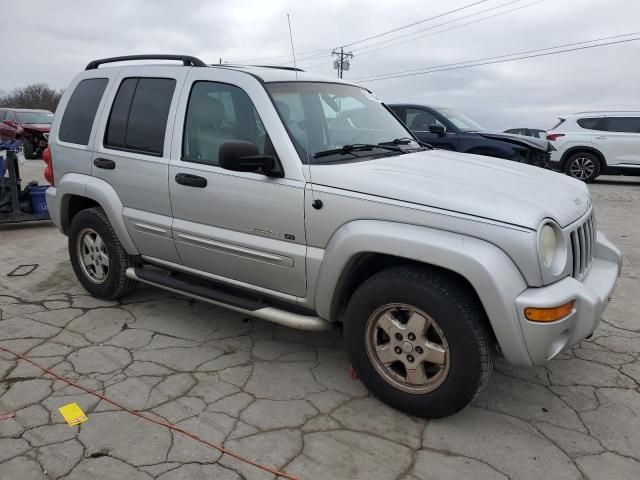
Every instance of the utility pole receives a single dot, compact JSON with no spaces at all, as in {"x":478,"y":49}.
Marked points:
{"x":343,"y":60}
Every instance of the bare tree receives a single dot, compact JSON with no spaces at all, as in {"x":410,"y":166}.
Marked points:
{"x":37,"y":95}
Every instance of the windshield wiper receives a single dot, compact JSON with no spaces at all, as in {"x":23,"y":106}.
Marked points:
{"x":406,"y":141}
{"x":356,"y":147}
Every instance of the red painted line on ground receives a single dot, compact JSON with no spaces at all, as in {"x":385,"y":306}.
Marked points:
{"x":170,"y":426}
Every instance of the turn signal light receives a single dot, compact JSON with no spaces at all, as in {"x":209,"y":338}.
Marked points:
{"x":549,"y":314}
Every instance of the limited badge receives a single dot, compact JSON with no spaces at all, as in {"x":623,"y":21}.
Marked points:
{"x":73,"y":414}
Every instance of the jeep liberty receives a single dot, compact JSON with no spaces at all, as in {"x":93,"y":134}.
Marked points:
{"x":303,"y":200}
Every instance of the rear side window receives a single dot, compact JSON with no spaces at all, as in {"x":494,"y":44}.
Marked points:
{"x":624,"y":124}
{"x":138,"y":118}
{"x":78,"y":117}
{"x":591,"y":123}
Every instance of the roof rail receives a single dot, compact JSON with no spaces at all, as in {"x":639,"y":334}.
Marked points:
{"x":186,"y":60}
{"x":275,"y":67}
{"x":279,"y":67}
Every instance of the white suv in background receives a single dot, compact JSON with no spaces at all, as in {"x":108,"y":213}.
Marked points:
{"x":592,"y":143}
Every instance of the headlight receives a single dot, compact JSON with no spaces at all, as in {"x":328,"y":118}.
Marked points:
{"x":548,"y":245}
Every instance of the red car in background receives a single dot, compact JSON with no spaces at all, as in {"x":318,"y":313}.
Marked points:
{"x":29,"y":125}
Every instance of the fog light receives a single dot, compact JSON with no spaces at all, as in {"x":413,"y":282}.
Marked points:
{"x":549,"y":314}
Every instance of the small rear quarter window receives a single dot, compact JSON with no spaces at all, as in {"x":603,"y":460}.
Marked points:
{"x":78,"y":117}
{"x":591,"y":123}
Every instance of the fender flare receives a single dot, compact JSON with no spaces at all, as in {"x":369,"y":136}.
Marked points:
{"x":493,"y":275}
{"x":585,"y":148}
{"x":101,"y":192}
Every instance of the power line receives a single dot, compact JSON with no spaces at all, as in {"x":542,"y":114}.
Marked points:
{"x":414,"y":23}
{"x":368,"y":38}
{"x":612,"y":37}
{"x":432,"y":27}
{"x":500,"y":59}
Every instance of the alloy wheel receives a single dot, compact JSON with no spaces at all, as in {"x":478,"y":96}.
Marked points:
{"x":92,"y":255}
{"x":582,"y":168}
{"x":407,"y":348}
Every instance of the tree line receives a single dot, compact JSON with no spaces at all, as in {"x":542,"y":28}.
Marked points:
{"x":37,"y":95}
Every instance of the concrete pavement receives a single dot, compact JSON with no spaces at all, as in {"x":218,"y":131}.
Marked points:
{"x":283,"y":397}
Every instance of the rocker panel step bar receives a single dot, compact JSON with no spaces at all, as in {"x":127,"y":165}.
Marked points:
{"x":253,"y":307}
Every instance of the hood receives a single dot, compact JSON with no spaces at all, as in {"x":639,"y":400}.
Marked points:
{"x":476,"y":185}
{"x":530,"y":142}
{"x":38,"y":127}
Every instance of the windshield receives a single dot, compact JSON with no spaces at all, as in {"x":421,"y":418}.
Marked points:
{"x":327,"y":116}
{"x":460,"y":120}
{"x":35,"y":117}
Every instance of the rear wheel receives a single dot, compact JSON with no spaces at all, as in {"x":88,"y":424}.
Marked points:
{"x":418,"y":340}
{"x":97,"y":256}
{"x":583,"y":166}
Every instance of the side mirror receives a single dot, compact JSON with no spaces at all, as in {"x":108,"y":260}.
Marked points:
{"x":438,"y":129}
{"x":243,"y":156}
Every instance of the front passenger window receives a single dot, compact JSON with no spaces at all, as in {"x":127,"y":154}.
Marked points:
{"x":217,"y":113}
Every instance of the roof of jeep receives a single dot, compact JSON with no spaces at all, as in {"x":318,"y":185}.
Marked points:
{"x":276,"y":74}
{"x":264,"y":73}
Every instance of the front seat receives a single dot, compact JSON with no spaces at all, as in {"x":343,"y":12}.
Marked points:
{"x":206,"y":131}
{"x":420,"y":122}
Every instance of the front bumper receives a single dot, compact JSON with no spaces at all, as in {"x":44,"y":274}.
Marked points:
{"x":546,"y":340}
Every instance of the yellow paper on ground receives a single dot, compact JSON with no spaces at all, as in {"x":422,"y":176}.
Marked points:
{"x":73,"y":414}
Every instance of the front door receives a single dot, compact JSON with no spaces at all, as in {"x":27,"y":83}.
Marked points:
{"x":419,"y":122}
{"x":237,"y":226}
{"x":620,"y":144}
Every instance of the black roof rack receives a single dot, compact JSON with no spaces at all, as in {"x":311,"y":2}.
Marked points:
{"x":279,"y":67}
{"x":276,"y":67}
{"x":186,"y":60}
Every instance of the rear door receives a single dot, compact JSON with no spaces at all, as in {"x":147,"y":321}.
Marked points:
{"x":132,"y":153}
{"x":620,"y":143}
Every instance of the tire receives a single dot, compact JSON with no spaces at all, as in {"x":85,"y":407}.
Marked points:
{"x":97,"y":256}
{"x":583,"y":166}
{"x":28,"y":149}
{"x":463,"y":343}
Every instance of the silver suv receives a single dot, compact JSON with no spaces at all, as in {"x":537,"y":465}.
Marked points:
{"x":302,"y":200}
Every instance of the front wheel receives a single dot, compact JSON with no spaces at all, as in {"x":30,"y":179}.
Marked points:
{"x":418,"y":340}
{"x":97,"y":256}
{"x":583,"y":166}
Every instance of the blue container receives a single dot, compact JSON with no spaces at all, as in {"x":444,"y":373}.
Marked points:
{"x":38,"y":199}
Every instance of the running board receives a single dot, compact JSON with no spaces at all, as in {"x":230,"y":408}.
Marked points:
{"x":251,"y":306}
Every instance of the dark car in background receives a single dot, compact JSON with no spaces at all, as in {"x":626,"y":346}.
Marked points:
{"x":29,"y":125}
{"x":528,"y":132}
{"x":448,"y":129}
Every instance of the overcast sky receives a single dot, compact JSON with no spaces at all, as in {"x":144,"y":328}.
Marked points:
{"x":50,"y":42}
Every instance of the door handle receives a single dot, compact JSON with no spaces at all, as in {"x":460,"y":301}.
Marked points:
{"x":104,"y":163}
{"x":599,"y":137}
{"x":191,"y":180}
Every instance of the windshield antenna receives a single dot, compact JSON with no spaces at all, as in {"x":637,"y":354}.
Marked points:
{"x":317,"y":204}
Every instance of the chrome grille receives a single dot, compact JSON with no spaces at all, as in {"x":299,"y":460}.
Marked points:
{"x":583,"y":238}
